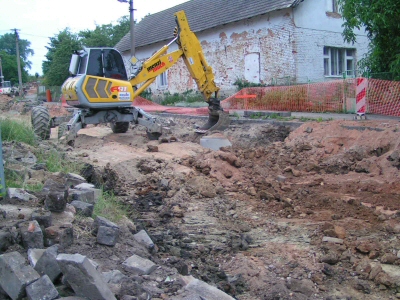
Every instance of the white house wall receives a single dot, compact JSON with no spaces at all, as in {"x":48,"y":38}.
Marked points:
{"x":288,"y":43}
{"x":317,"y":26}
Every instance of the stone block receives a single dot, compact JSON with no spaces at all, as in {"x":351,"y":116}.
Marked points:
{"x":332,"y":240}
{"x":43,"y":217}
{"x":32,"y":234}
{"x":15,"y":275}
{"x":42,"y":289}
{"x":56,"y":200}
{"x":143,"y":238}
{"x":101,"y":221}
{"x":46,"y":262}
{"x":107,"y":235}
{"x":83,"y":278}
{"x":20,"y":195}
{"x":6,"y":240}
{"x":197,"y":289}
{"x":139,"y":265}
{"x":73,"y":180}
{"x":83,"y":208}
{"x":82,"y":195}
{"x":59,"y":234}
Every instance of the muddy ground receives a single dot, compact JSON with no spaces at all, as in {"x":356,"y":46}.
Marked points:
{"x":287,"y":212}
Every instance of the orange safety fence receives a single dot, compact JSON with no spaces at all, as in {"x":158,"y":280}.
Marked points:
{"x":313,"y":97}
{"x":383,"y":97}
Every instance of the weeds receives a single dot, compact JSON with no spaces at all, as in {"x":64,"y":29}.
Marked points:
{"x":57,"y":161}
{"x":110,"y":208}
{"x":18,"y":131}
{"x":243,"y":83}
{"x":189,"y":96}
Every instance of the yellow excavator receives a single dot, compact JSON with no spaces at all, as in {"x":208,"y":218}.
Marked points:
{"x":101,"y":91}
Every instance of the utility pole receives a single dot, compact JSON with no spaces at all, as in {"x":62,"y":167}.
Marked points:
{"x":18,"y":61}
{"x":1,"y":74}
{"x":132,"y":25}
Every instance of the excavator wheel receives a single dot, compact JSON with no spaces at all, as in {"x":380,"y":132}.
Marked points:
{"x":62,"y":130}
{"x":40,"y":119}
{"x":119,"y":127}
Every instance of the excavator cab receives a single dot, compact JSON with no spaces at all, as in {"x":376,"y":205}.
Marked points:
{"x":100,"y":62}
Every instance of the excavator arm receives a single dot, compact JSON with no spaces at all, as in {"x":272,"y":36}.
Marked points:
{"x":192,"y":54}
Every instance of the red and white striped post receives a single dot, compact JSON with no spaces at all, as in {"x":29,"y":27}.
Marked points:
{"x":361,"y":95}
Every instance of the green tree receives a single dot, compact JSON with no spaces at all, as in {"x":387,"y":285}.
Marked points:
{"x":61,"y":47}
{"x":380,"y":18}
{"x":8,"y":53}
{"x":107,"y":35}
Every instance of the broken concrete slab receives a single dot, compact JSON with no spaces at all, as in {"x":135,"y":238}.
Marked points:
{"x":42,"y":289}
{"x":214,"y":142}
{"x":15,"y":275}
{"x":139,"y":265}
{"x":83,"y":278}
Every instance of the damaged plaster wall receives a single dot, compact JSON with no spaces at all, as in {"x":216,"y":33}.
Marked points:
{"x":267,"y":49}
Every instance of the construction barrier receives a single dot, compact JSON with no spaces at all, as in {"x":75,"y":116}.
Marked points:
{"x":361,"y":95}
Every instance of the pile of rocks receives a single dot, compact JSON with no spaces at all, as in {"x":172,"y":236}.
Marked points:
{"x":37,"y":234}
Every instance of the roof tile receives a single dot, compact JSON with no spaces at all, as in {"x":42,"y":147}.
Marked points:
{"x":202,"y":14}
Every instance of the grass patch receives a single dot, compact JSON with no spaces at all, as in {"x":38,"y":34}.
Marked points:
{"x":18,"y":131}
{"x":57,"y":161}
{"x":189,"y":96}
{"x":110,"y":208}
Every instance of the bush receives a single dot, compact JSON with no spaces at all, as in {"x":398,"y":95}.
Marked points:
{"x":243,"y":83}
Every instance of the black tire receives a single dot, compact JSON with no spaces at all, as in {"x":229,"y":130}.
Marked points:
{"x":40,"y":119}
{"x":119,"y":127}
{"x":62,"y":129}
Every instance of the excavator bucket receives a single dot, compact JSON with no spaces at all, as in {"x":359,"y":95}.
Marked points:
{"x":217,"y":120}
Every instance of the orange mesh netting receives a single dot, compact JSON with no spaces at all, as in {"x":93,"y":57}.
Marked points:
{"x":314,"y":97}
{"x":383,"y":97}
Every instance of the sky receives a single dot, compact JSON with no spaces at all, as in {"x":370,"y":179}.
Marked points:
{"x":37,"y":20}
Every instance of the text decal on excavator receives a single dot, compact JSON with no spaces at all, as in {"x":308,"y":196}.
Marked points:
{"x":124,"y":96}
{"x":156,"y":66}
{"x":119,"y":89}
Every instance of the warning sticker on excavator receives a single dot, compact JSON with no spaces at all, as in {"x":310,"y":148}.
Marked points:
{"x":124,"y":96}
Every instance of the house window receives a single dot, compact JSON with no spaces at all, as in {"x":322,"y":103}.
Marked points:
{"x":339,"y":61}
{"x":335,"y":7}
{"x":162,"y":81}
